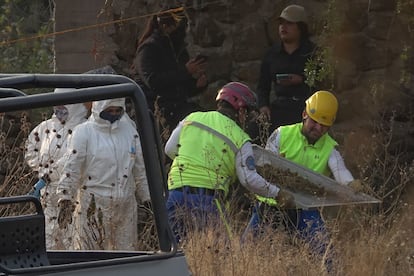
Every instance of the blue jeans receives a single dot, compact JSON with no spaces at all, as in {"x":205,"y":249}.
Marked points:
{"x":306,"y":224}
{"x":191,"y":210}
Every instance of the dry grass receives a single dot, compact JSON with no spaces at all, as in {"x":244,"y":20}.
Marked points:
{"x":362,"y":243}
{"x":211,"y":253}
{"x":367,"y":241}
{"x":15,"y":175}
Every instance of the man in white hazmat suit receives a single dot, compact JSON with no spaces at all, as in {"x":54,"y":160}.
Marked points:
{"x":45,"y":147}
{"x":104,"y":171}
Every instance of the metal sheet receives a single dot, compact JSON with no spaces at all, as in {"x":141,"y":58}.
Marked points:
{"x":336,"y":194}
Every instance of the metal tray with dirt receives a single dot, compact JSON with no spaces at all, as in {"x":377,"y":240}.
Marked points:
{"x":310,"y":189}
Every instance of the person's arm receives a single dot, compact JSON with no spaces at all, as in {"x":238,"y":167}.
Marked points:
{"x":75,"y":159}
{"x":151,"y":68}
{"x":142,"y":190}
{"x":337,"y":166}
{"x":171,"y":147}
{"x":336,"y":163}
{"x":248,"y":176}
{"x":273,"y":142}
{"x":34,"y":141}
{"x":70,"y":180}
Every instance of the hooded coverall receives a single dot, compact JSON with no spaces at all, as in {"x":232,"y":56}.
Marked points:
{"x":103,"y":174}
{"x":45,"y":147}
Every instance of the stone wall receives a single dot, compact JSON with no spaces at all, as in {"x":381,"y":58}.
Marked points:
{"x":367,"y":41}
{"x":79,"y":44}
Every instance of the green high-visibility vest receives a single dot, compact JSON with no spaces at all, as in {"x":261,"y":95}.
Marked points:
{"x":295,"y":147}
{"x":207,"y":148}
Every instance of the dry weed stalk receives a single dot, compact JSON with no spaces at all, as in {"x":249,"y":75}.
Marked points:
{"x":366,"y":239}
{"x":387,"y":175}
{"x":161,"y":121}
{"x":147,"y":233}
{"x":16,"y":177}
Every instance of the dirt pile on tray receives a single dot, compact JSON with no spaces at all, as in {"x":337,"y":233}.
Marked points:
{"x":290,"y":180}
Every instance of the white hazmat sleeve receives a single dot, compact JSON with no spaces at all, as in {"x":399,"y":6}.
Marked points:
{"x":248,"y":176}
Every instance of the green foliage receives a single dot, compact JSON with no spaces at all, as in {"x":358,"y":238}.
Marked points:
{"x":404,"y":11}
{"x":21,"y":20}
{"x":405,"y":76}
{"x":321,"y":67}
{"x":405,"y":8}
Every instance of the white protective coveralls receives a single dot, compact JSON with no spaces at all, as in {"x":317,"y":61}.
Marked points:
{"x":103,"y":173}
{"x":45,"y":146}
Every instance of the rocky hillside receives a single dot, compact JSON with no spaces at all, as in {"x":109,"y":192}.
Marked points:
{"x":365,"y":49}
{"x":365,"y":54}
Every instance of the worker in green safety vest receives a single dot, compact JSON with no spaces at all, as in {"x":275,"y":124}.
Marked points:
{"x":210,"y":150}
{"x":308,"y":144}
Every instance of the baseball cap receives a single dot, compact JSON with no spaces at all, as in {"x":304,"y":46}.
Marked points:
{"x":294,"y":13}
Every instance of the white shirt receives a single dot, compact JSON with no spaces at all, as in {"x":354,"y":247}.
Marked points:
{"x":335,"y":163}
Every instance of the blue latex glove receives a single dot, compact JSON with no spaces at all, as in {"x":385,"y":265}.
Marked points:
{"x":37,"y":187}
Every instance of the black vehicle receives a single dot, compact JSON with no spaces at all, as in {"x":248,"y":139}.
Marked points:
{"x":22,"y":237}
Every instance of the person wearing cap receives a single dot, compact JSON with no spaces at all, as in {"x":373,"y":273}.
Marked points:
{"x":308,"y":144}
{"x":165,"y":71}
{"x":210,"y":150}
{"x":283,"y":71}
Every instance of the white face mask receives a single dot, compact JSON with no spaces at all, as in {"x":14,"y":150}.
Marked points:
{"x":61,"y":113}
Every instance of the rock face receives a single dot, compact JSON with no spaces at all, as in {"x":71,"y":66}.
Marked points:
{"x":367,"y":44}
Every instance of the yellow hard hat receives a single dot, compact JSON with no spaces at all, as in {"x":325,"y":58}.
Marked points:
{"x":322,"y":107}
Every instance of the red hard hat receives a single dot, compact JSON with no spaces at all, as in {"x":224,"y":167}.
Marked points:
{"x":238,"y":95}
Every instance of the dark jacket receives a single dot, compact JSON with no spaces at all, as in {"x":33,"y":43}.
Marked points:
{"x":278,"y":61}
{"x":160,"y":65}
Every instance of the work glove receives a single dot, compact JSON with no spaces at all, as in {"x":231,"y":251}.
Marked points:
{"x":145,"y":221}
{"x":285,"y":199}
{"x":357,"y":185}
{"x":37,"y":188}
{"x":66,"y":209}
{"x":145,"y":211}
